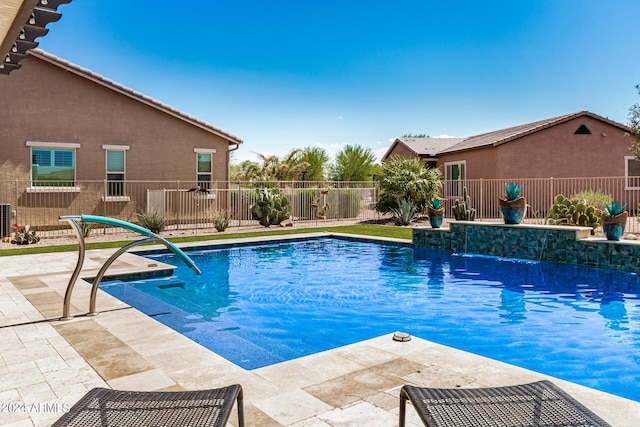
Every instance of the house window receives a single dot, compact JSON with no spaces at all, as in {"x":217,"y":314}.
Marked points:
{"x":53,"y":164}
{"x":454,"y":175}
{"x":204,"y":167}
{"x":115,"y":173}
{"x":631,"y":173}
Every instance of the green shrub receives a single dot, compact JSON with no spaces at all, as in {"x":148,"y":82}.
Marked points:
{"x":221,"y":220}
{"x":407,"y":179}
{"x":152,"y":219}
{"x":598,"y":199}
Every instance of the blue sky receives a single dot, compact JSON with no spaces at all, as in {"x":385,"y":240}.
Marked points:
{"x":292,"y":74}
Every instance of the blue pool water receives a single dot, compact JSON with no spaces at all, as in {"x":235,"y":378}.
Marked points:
{"x":262,"y":304}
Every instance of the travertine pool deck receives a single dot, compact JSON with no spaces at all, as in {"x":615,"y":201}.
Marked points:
{"x":47,"y":365}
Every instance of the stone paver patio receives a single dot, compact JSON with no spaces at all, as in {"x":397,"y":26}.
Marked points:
{"x":47,"y":365}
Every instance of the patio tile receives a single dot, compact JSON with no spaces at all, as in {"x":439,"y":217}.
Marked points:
{"x":290,"y":376}
{"x":360,"y":414}
{"x":148,"y":381}
{"x":340,"y":391}
{"x":291,"y":407}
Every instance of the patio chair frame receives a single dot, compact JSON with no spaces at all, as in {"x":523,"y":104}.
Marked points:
{"x":102,"y":407}
{"x":540,"y":403}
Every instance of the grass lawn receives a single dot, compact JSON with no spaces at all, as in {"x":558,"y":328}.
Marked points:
{"x":367,"y":230}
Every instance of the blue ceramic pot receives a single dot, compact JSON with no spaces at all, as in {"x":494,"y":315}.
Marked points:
{"x":613,"y":226}
{"x":513,"y":211}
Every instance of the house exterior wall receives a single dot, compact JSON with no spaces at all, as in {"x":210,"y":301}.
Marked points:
{"x":49,"y":104}
{"x":553,"y":152}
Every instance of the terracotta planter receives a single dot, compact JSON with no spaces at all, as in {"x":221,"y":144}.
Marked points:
{"x":613,"y":226}
{"x":436,"y":216}
{"x":513,"y":211}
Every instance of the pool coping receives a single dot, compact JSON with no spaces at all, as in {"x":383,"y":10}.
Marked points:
{"x":353,"y":385}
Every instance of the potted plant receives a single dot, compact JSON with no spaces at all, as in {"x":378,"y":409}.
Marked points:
{"x":435,"y":210}
{"x":513,"y":207}
{"x":614,"y":220}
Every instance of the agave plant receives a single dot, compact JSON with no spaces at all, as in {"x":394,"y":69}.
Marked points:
{"x":405,"y":213}
{"x":614,"y":209}
{"x":512,"y":191}
{"x":435,"y":204}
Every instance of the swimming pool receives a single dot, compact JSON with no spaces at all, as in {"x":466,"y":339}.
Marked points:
{"x":265,"y":303}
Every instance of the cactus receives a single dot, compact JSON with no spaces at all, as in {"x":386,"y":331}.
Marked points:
{"x":271,"y":208}
{"x":512,"y":191}
{"x":462,"y":210}
{"x":567,"y":211}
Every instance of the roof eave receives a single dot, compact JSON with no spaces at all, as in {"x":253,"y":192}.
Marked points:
{"x":13,"y":32}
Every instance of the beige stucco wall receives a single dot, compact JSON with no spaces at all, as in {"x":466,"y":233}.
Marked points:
{"x":49,"y":104}
{"x":554,"y":152}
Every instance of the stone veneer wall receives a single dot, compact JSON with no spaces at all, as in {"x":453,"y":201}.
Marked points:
{"x":566,"y":245}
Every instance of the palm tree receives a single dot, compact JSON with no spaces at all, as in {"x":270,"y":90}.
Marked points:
{"x":289,"y":168}
{"x":245,"y":171}
{"x":353,"y":163}
{"x":317,"y":159}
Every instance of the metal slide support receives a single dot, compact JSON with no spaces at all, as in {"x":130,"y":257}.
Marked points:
{"x":72,"y":219}
{"x":76,"y":272}
{"x":103,"y":269}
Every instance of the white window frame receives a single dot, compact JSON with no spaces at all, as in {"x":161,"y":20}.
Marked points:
{"x":627,"y":185}
{"x":124,"y":149}
{"x":449,"y":185}
{"x":210,"y":151}
{"x":53,"y":145}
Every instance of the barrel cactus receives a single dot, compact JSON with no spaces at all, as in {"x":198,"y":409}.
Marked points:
{"x":271,"y":208}
{"x":566,"y":211}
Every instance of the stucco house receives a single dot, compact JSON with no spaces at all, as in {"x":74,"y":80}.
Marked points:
{"x":68,"y":127}
{"x":574,"y":145}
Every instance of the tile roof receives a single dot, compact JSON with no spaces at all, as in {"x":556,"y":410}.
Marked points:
{"x":425,"y":147}
{"x":432,"y":147}
{"x":502,"y":136}
{"x":110,"y":84}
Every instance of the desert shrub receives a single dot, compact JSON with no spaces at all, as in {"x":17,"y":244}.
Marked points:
{"x":221,"y":220}
{"x":598,"y":199}
{"x":85,"y":229}
{"x":152,"y":219}
{"x":404,"y":213}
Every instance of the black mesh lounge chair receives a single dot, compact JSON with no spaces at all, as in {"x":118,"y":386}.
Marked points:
{"x":104,"y":407}
{"x":536,"y":404}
